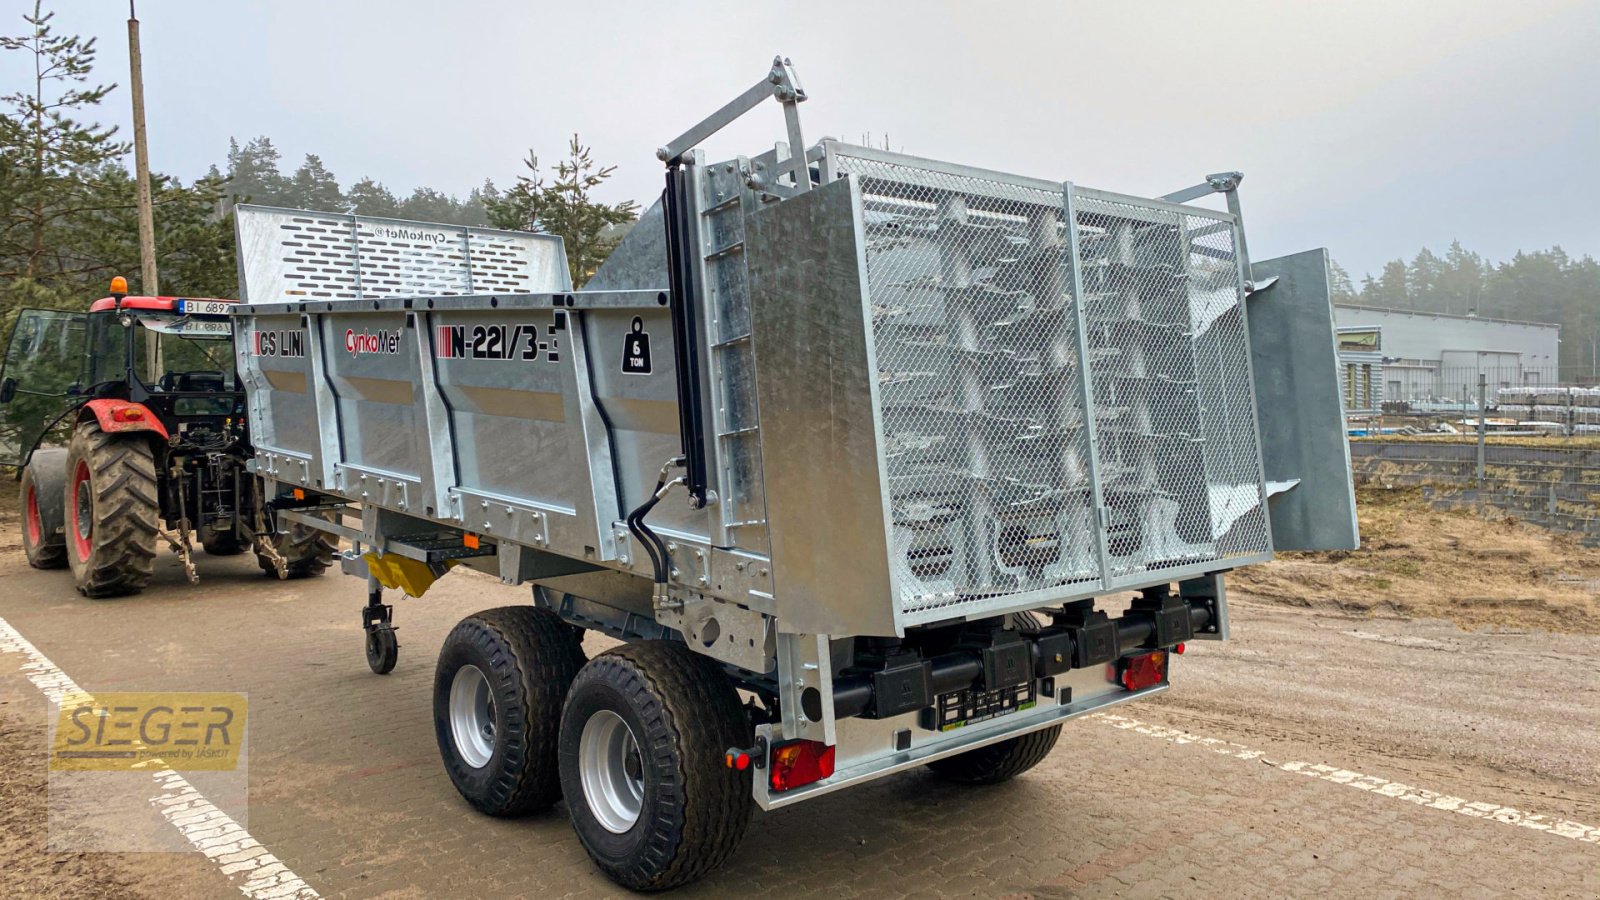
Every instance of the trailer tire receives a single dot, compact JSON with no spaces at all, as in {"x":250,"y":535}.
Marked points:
{"x":44,"y":480}
{"x":643,"y":737}
{"x":1007,"y":759}
{"x":220,"y":543}
{"x":521,"y":659}
{"x":111,"y":508}
{"x":306,"y":551}
{"x":1000,"y":761}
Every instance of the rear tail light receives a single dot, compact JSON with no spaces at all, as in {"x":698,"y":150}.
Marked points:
{"x":1145,"y":670}
{"x":799,"y":763}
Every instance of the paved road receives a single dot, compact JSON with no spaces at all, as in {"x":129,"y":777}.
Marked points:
{"x":1312,"y":755}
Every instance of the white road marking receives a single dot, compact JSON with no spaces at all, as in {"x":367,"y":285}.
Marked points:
{"x":248,"y":865}
{"x":1372,"y":784}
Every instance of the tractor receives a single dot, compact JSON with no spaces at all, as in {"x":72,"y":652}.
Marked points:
{"x":127,"y":428}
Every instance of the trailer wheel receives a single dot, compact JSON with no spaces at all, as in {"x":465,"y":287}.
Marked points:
{"x":220,"y":543}
{"x":1000,"y":761}
{"x":43,"y":488}
{"x":111,"y":509}
{"x":497,"y":696}
{"x":383,"y":649}
{"x":306,"y":551}
{"x":642,"y":743}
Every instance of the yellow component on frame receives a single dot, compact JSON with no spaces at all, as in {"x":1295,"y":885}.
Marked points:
{"x":402,"y":573}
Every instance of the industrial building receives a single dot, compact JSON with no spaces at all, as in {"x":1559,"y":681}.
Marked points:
{"x":1394,"y":355}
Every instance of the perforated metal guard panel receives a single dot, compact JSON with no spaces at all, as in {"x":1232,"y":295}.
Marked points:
{"x":288,"y":255}
{"x":990,"y":472}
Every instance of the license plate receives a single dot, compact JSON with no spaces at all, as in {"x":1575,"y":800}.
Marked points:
{"x":961,"y":708}
{"x":203,"y":307}
{"x":195,"y":326}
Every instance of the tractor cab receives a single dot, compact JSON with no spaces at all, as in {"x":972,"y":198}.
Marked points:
{"x":156,"y":364}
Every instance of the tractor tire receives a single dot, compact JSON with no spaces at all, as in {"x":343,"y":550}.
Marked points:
{"x":220,"y":543}
{"x":503,"y":675}
{"x":305,"y":551}
{"x":44,"y":484}
{"x":643,"y":739}
{"x":111,"y":509}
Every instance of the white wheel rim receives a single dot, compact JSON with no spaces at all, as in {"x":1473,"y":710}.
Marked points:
{"x":472,"y":716}
{"x":612,"y":771}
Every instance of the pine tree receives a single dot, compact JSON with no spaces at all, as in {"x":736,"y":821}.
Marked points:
{"x":253,"y":175}
{"x":44,"y":147}
{"x":313,"y":187}
{"x":369,"y":198}
{"x":565,"y":207}
{"x":1339,"y":284}
{"x":1422,"y":280}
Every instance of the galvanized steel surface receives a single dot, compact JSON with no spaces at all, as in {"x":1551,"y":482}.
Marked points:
{"x":291,"y":254}
{"x":1061,"y":378}
{"x":1000,"y":483}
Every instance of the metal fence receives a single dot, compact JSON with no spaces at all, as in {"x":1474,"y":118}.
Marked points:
{"x":1557,"y":487}
{"x":1514,"y":398}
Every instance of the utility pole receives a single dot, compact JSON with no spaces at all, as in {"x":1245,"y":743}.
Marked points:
{"x":141,"y":165}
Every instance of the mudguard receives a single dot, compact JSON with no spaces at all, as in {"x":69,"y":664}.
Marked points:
{"x":116,"y":416}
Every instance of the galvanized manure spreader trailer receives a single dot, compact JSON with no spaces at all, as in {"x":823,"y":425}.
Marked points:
{"x":843,"y":444}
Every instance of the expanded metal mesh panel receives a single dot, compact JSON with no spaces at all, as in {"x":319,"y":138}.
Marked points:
{"x":291,"y":255}
{"x":1177,"y":452}
{"x":980,"y":382}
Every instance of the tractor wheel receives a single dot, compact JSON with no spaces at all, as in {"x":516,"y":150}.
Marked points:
{"x":220,"y":543}
{"x":111,"y":510}
{"x":305,"y":551}
{"x":43,"y":487}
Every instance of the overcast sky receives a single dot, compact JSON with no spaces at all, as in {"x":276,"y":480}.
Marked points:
{"x":1371,"y":128}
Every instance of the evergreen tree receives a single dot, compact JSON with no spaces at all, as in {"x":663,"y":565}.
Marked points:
{"x":1422,"y":280}
{"x":565,"y":207}
{"x":369,"y":198}
{"x":43,"y":149}
{"x":1390,"y":290}
{"x":1343,"y":290}
{"x":253,"y":175}
{"x":314,"y":187}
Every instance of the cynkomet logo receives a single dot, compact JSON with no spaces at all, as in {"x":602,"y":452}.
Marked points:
{"x":380,"y":341}
{"x":400,"y":233}
{"x":287,"y":342}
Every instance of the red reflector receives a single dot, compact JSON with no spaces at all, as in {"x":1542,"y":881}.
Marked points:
{"x":1140,"y":672}
{"x":740,"y":761}
{"x":1178,"y":649}
{"x":800,"y":763}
